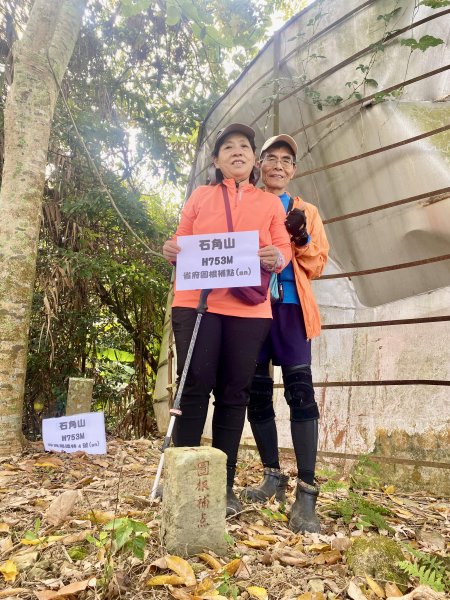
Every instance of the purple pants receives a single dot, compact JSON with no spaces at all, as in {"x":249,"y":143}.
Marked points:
{"x":286,"y":345}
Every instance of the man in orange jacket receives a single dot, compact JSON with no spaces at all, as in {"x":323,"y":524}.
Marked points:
{"x":296,"y":320}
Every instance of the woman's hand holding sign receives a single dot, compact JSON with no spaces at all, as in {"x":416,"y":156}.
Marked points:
{"x":170,"y":250}
{"x":270,"y":257}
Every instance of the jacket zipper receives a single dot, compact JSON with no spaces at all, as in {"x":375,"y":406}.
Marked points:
{"x":238,"y":196}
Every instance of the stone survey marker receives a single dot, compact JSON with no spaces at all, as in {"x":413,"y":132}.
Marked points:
{"x":194,"y":501}
{"x":79,"y":395}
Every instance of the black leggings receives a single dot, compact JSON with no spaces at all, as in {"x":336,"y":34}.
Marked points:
{"x":299,"y":394}
{"x":223,"y":361}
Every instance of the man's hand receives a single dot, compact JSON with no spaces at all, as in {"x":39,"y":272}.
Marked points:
{"x":296,"y":227}
{"x":170,"y":250}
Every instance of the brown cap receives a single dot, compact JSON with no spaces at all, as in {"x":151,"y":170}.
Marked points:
{"x":283,"y":137}
{"x":234,"y":128}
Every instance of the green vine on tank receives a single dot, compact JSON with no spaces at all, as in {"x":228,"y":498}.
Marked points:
{"x":358,"y":84}
{"x":425,"y":42}
{"x":435,"y":3}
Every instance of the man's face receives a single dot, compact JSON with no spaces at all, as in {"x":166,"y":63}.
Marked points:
{"x":277,"y":169}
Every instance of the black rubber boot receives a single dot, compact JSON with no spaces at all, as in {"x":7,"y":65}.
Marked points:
{"x":273,"y":484}
{"x":233,"y":504}
{"x":303,"y":511}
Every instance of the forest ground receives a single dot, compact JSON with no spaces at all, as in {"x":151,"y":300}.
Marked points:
{"x":55,"y":549}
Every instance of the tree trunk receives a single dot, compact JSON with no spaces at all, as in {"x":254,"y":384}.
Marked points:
{"x":49,"y":38}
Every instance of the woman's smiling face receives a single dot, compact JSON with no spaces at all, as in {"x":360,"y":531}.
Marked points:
{"x":235,"y":158}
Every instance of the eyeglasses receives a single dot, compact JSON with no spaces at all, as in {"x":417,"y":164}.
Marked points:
{"x":272,"y":161}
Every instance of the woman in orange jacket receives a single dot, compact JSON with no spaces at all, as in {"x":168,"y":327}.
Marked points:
{"x":296,"y":320}
{"x":231,"y":332}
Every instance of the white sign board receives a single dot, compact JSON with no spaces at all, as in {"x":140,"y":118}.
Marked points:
{"x":218,"y":260}
{"x":85,"y":432}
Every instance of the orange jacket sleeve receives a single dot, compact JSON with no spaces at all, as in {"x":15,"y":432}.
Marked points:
{"x":188,"y":216}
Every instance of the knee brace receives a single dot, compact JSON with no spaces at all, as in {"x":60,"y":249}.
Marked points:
{"x":260,"y":407}
{"x":299,"y":394}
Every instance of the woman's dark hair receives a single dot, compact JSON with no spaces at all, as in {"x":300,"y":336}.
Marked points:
{"x":221,"y":141}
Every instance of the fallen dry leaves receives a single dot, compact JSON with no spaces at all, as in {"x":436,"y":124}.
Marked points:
{"x":423,"y":592}
{"x":67,"y":590}
{"x":61,"y":507}
{"x":182,"y":568}
{"x":257,"y":592}
{"x":9,"y":571}
{"x":12,"y":592}
{"x":49,"y":504}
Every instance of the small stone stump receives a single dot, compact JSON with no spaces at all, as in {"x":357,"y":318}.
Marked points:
{"x":194,"y":500}
{"x":79,"y":396}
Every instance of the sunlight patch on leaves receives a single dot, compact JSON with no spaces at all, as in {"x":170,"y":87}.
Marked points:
{"x":9,"y":571}
{"x":259,"y":593}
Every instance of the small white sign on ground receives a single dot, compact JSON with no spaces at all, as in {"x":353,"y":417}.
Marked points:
{"x":218,"y":260}
{"x":85,"y":432}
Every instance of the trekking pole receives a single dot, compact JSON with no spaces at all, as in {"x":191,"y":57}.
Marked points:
{"x":175,"y":410}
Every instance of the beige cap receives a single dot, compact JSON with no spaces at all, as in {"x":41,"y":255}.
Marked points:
{"x":234,"y":128}
{"x":283,"y":137}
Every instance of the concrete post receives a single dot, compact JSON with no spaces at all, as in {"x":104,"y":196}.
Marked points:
{"x":79,"y":396}
{"x":194,"y":500}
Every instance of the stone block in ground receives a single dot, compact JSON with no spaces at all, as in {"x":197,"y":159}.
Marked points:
{"x":377,"y":556}
{"x":194,"y":500}
{"x":79,"y":395}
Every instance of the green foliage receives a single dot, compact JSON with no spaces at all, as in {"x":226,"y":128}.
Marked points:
{"x":362,"y":68}
{"x":173,"y":15}
{"x":99,"y":541}
{"x":333,"y":100}
{"x":332,"y":482}
{"x":367,"y":514}
{"x":33,"y":534}
{"x":131,"y":8}
{"x":78,"y":552}
{"x":227,"y":586}
{"x":372,"y":518}
{"x":291,"y":8}
{"x":426,"y":576}
{"x":129,"y":535}
{"x":115,"y":355}
{"x":229,"y":539}
{"x":381,"y":96}
{"x":435,"y":3}
{"x":366,"y":473}
{"x":274,"y":515}
{"x":390,"y":15}
{"x":430,"y":570}
{"x":425,"y":42}
{"x":122,"y":534}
